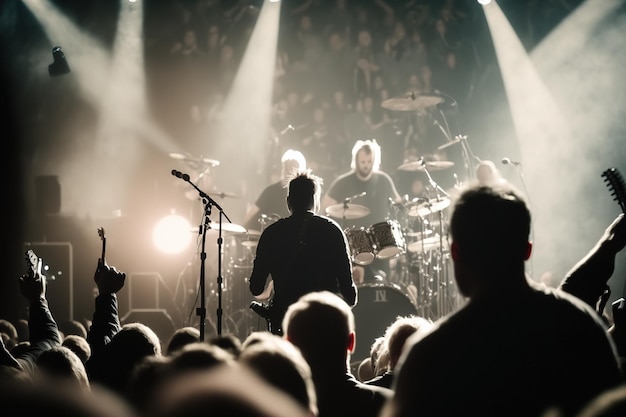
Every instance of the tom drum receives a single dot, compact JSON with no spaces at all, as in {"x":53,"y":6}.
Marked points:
{"x":361,"y":246}
{"x":388,"y":239}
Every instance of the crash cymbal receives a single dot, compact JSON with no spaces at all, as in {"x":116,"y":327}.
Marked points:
{"x":194,"y":160}
{"x":227,"y":227}
{"x":434,"y":205}
{"x":411,"y":101}
{"x":347,"y":211}
{"x":421,"y":165}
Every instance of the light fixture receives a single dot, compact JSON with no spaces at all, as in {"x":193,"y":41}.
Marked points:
{"x":172,"y":234}
{"x":59,"y":66}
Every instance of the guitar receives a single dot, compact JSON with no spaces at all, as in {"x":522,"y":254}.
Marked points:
{"x":104,"y":243}
{"x":269,"y":312}
{"x":614,"y":180}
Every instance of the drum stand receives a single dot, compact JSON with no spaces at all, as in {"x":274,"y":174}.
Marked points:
{"x":436,"y":291}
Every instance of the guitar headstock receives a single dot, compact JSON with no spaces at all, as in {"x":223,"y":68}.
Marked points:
{"x":101,"y":233}
{"x":614,"y":180}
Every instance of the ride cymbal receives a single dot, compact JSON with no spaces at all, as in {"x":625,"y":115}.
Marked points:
{"x":411,"y":101}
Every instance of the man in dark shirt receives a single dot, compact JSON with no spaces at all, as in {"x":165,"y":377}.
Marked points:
{"x":303,"y":252}
{"x":516,"y":348}
{"x":270,"y":204}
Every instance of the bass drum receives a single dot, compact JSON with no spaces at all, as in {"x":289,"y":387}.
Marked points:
{"x":378,"y":306}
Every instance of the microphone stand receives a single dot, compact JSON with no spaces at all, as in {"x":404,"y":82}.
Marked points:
{"x":208,"y":204}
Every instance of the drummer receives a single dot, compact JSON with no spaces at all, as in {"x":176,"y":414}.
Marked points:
{"x":361,"y":197}
{"x":270,"y":205}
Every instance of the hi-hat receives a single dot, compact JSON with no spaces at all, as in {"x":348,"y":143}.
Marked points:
{"x":434,"y":205}
{"x":411,"y":101}
{"x":421,"y":165}
{"x":193,"y":159}
{"x":347,"y":211}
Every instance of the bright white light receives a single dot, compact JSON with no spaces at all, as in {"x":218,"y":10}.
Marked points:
{"x":172,"y":234}
{"x":484,"y":2}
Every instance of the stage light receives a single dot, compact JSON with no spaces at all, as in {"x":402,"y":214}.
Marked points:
{"x":484,"y":2}
{"x":172,"y":234}
{"x":59,"y":66}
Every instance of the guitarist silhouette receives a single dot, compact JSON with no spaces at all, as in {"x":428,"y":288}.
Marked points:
{"x":303,"y":252}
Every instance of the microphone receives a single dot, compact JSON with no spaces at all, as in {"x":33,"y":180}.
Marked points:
{"x":507,"y":161}
{"x":178,"y":174}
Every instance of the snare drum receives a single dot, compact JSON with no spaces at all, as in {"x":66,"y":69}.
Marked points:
{"x":361,"y":246}
{"x":388,"y":239}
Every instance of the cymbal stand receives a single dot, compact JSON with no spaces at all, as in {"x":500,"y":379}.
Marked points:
{"x":437,"y":267}
{"x":424,"y":280}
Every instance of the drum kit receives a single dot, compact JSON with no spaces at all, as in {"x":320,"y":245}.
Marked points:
{"x":413,"y":238}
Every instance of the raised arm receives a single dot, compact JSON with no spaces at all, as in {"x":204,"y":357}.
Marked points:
{"x":587,"y":280}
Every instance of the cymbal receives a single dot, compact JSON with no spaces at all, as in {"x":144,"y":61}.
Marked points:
{"x":347,"y":211}
{"x":227,"y":227}
{"x":411,"y":101}
{"x":434,"y":205}
{"x":428,"y":243}
{"x":419,"y":235}
{"x":193,"y":159}
{"x":421,"y":165}
{"x":222,"y":194}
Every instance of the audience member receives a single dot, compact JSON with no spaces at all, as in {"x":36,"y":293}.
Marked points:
{"x":226,"y":390}
{"x":321,"y":325}
{"x":115,"y":349}
{"x":78,"y":345}
{"x":42,"y":328}
{"x":182,"y":337}
{"x":59,"y":365}
{"x":73,"y":327}
{"x":282,"y":365}
{"x":393,"y":344}
{"x":510,"y":331}
{"x":227,"y":341}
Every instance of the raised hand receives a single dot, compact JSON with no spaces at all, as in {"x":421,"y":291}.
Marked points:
{"x":108,"y":279}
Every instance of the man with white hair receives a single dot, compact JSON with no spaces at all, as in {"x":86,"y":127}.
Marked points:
{"x":271,"y":202}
